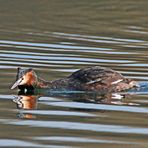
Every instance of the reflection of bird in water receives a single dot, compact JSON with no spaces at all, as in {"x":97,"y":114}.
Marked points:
{"x":85,"y":97}
{"x":100,"y":79}
{"x":26,"y":103}
{"x":29,"y":102}
{"x":95,"y":98}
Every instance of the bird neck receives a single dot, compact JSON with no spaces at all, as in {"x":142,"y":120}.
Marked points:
{"x":41,"y":83}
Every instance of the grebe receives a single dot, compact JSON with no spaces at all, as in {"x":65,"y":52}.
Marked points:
{"x":94,"y":78}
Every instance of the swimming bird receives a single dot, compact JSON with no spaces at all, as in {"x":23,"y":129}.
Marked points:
{"x":94,"y":78}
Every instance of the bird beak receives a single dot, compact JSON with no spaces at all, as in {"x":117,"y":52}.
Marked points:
{"x":16,"y":83}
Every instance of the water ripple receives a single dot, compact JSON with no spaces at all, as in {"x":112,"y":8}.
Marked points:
{"x":59,"y":113}
{"x":23,"y":143}
{"x":45,"y":45}
{"x":99,"y":107}
{"x":100,"y":39}
{"x":78,"y":126}
{"x":80,"y":139}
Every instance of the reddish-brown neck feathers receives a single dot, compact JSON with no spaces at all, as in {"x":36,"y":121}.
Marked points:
{"x":30,"y":78}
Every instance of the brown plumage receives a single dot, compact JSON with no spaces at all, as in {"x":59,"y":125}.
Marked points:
{"x":87,"y":79}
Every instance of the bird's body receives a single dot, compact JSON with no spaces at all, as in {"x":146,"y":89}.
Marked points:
{"x":94,"y":78}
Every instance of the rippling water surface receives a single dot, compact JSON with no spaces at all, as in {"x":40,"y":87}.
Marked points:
{"x":56,"y":38}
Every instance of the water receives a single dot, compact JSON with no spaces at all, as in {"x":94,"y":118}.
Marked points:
{"x":56,"y":38}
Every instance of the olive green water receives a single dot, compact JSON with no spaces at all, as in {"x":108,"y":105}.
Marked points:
{"x":57,"y":37}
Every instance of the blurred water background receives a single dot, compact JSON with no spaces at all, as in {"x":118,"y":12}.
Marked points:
{"x":56,"y":38}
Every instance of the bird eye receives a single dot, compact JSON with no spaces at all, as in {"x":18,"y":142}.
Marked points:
{"x":21,"y":80}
